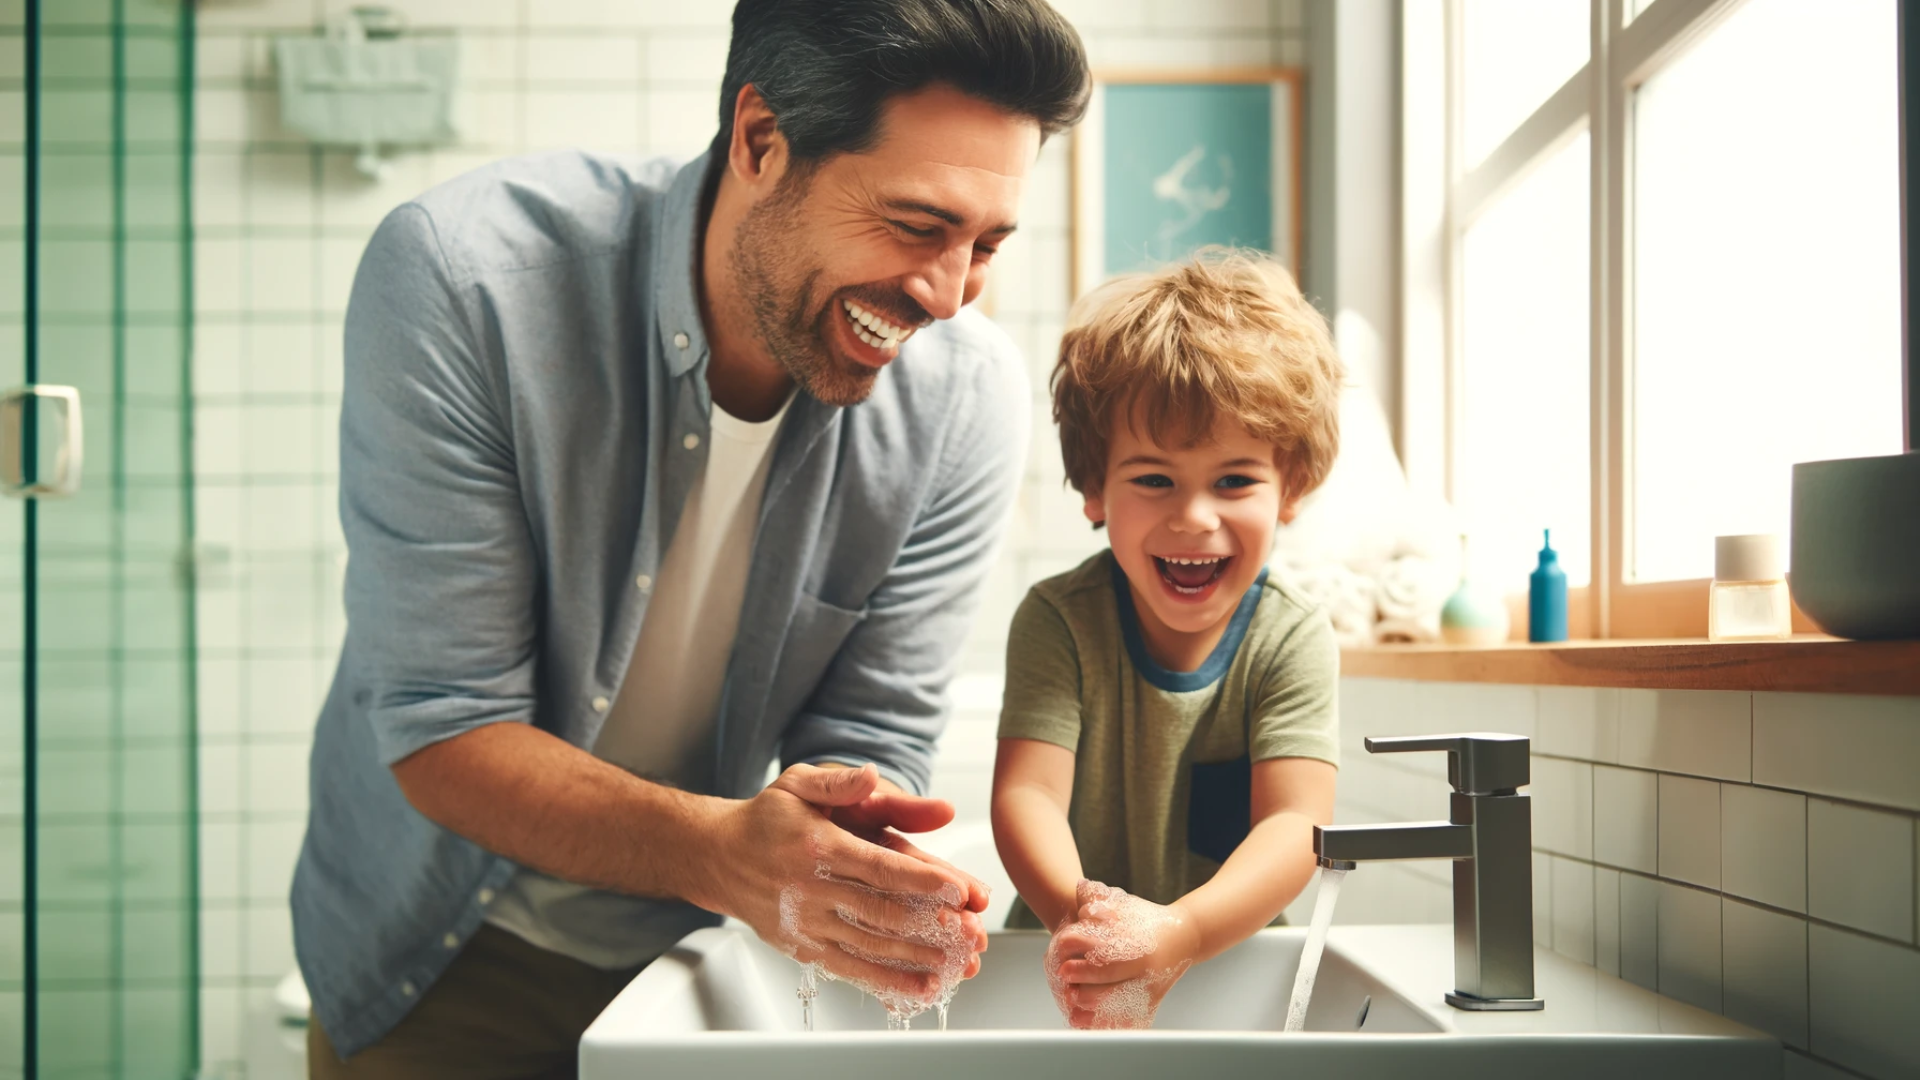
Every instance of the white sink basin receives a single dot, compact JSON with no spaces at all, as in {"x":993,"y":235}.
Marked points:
{"x":722,"y":1004}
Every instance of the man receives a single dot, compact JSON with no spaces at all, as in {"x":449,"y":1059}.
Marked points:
{"x":639,"y":501}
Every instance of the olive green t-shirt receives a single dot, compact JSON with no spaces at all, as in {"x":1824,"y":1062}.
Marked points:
{"x":1078,"y":676}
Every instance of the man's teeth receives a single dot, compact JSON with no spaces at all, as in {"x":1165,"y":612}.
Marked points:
{"x":874,"y":330}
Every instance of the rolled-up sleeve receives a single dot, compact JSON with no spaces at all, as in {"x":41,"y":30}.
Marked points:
{"x":884,"y":697}
{"x":441,"y":572}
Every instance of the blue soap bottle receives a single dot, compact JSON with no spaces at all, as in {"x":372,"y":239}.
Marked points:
{"x":1547,"y":597}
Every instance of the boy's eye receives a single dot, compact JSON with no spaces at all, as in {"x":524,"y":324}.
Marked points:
{"x":1235,"y":481}
{"x":1152,"y":480}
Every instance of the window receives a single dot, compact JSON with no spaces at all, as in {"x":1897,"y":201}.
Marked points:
{"x":1523,"y":442}
{"x":1766,"y":273}
{"x":1514,"y":55}
{"x":1664,"y":276}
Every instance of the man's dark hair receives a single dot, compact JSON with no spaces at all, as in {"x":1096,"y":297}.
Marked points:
{"x":826,"y":67}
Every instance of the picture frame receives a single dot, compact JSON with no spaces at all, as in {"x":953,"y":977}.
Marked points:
{"x":1158,"y":160}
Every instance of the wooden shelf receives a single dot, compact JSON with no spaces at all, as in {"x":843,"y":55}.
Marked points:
{"x":1808,"y":663}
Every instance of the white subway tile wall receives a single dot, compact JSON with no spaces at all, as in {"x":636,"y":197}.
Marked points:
{"x":1764,"y":959}
{"x":279,"y":229}
{"x":1606,"y":919}
{"x":1690,"y":830}
{"x":1698,"y":732}
{"x":1763,"y":845}
{"x":1860,"y":868}
{"x":1689,"y":945}
{"x":1754,"y":854}
{"x":1861,"y":748}
{"x":1628,"y":834}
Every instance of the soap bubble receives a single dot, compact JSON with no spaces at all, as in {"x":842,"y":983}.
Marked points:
{"x":923,"y":926}
{"x":1120,"y":927}
{"x":794,"y":938}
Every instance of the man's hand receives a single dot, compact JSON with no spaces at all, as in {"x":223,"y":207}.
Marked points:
{"x":842,"y":895}
{"x":882,"y":816}
{"x":1113,"y":962}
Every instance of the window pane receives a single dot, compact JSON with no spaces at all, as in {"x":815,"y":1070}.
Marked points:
{"x":1766,"y":272}
{"x":1523,"y":463}
{"x":1516,"y":54}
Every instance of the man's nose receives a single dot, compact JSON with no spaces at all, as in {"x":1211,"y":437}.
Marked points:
{"x":940,"y":286}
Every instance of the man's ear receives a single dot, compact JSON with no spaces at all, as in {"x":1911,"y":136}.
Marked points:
{"x":1095,"y":507}
{"x":757,"y":154}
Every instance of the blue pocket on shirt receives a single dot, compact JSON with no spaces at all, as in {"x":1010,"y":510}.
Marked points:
{"x":1219,"y":807}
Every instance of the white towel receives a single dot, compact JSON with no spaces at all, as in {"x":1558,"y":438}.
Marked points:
{"x":1349,"y":598}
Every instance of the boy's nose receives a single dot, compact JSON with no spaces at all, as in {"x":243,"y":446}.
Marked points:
{"x":1194,"y":515}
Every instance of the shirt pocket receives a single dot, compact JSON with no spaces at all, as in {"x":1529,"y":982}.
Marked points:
{"x":813,"y":641}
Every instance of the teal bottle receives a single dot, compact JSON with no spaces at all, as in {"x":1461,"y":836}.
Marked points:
{"x":1547,"y":597}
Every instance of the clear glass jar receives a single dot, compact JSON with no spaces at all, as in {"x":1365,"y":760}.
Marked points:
{"x":1748,"y":600}
{"x":1749,"y":611}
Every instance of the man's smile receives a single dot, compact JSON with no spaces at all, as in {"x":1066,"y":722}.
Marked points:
{"x":870,"y":339}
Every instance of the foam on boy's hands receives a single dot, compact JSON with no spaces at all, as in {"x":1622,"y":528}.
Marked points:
{"x":1111,"y":926}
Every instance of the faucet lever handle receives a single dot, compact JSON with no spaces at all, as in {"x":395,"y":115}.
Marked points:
{"x":1478,"y":762}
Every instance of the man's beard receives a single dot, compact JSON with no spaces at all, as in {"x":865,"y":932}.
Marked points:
{"x":769,"y":265}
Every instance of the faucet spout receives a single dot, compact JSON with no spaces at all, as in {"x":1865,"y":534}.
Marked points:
{"x":1489,"y":839}
{"x":1334,"y":844}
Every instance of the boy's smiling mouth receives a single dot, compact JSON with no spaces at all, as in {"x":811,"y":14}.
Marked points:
{"x":1192,"y":577}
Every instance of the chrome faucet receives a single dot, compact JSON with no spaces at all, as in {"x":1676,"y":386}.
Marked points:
{"x":1489,"y":837}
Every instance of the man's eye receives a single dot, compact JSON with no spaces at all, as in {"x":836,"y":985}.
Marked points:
{"x":1235,"y":481}
{"x":911,"y":230}
{"x":1152,"y":480}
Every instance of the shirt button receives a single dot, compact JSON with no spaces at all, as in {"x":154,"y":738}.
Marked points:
{"x":690,"y":441}
{"x":451,"y":941}
{"x":644,"y":582}
{"x":600,"y":704}
{"x":486,"y":896}
{"x":407,"y":989}
{"x":681,"y":341}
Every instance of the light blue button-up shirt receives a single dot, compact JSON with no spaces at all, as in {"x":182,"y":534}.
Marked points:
{"x":524,"y":364}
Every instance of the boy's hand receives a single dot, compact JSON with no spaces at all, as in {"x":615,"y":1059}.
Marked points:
{"x":1110,"y":966}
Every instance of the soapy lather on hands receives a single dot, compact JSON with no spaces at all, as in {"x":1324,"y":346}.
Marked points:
{"x":1112,"y":963}
{"x":837,"y":885}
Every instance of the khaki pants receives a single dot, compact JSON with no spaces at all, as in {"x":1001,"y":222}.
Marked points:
{"x":504,"y":1010}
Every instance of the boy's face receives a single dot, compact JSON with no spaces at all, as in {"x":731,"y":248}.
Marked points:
{"x":1191,"y":527}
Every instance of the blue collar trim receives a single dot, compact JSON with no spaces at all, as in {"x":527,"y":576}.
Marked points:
{"x":1180,"y":682}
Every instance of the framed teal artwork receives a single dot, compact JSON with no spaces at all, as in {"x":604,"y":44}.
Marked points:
{"x":1166,"y":162}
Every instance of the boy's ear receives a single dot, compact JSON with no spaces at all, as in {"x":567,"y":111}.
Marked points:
{"x":1095,"y":507}
{"x":1289,"y":510}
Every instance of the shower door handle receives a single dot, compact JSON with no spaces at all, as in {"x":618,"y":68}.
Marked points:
{"x":27,"y":416}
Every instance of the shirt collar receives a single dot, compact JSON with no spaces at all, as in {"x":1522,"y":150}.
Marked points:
{"x":683,"y":339}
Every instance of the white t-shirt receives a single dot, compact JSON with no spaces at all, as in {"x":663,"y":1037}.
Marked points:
{"x":662,"y":724}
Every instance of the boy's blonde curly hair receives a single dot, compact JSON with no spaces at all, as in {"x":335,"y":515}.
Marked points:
{"x":1225,"y":331}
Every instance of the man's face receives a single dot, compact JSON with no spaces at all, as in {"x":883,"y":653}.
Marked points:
{"x":1190,"y":526}
{"x":841,"y":264}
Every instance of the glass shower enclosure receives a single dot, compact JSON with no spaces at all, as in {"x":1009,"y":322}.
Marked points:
{"x":98,"y":927}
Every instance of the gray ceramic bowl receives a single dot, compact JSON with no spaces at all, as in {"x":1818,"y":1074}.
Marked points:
{"x":1856,"y":545}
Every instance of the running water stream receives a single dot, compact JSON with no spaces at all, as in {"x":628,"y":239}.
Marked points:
{"x":809,"y":989}
{"x":1303,"y":980}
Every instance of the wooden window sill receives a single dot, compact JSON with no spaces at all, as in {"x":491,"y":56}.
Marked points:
{"x":1808,"y":663}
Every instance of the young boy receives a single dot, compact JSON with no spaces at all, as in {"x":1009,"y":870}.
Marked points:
{"x":1168,"y":738}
